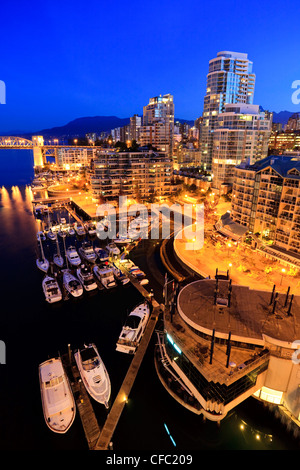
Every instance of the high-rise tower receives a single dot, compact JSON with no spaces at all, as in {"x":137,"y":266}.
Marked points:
{"x":229,"y":80}
{"x":158,"y":123}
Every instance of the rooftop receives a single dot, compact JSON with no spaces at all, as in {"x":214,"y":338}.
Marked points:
{"x":249,"y":316}
{"x":282,"y":164}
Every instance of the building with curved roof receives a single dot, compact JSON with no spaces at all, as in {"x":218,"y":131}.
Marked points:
{"x":223,"y":343}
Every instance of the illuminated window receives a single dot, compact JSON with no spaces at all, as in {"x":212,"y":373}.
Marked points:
{"x":269,"y":395}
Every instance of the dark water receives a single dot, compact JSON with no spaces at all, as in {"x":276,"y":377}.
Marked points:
{"x":33,"y":331}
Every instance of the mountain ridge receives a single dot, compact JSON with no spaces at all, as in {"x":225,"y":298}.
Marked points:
{"x":83,"y":125}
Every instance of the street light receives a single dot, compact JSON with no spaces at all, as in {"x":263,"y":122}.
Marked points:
{"x":282,"y":271}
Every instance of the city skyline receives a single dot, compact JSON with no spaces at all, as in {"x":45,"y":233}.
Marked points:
{"x":60,"y":63}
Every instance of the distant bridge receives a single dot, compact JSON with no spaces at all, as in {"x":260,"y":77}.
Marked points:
{"x":40,"y":150}
{"x":15,"y":142}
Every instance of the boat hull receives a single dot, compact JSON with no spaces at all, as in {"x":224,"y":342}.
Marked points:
{"x":57,"y":399}
{"x":89,"y":378}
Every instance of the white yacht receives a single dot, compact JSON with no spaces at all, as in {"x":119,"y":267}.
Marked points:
{"x":113,"y":249}
{"x":86,"y":278}
{"x":51,"y":289}
{"x":133,"y":329}
{"x":122,"y":240}
{"x":87,"y":252}
{"x":93,"y":373}
{"x":72,"y":284}
{"x":57,"y":399}
{"x":72,"y":256}
{"x":105,"y":275}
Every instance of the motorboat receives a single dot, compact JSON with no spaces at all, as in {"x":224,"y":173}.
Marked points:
{"x":72,"y":284}
{"x":57,"y":399}
{"x":102,"y":254}
{"x":86,"y":278}
{"x":87,"y":252}
{"x":113,"y":249}
{"x":79,"y":229}
{"x":122,"y":240}
{"x":136,"y":272}
{"x":93,"y":373}
{"x":133,"y":329}
{"x":127,"y":263}
{"x":119,"y":275}
{"x":105,"y":275}
{"x":72,"y":256}
{"x":51,"y":290}
{"x":139,"y":222}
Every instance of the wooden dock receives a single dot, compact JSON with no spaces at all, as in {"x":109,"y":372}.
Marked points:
{"x":101,"y":438}
{"x":88,"y":419}
{"x":113,"y":417}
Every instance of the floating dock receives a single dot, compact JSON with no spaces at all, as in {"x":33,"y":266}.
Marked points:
{"x":114,"y":415}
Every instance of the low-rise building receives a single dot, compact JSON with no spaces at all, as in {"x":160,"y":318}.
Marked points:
{"x":134,"y":174}
{"x":223,"y":343}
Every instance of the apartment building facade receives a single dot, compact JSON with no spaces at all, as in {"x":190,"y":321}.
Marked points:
{"x":266,"y":199}
{"x":158,"y":124}
{"x":132,"y":174}
{"x":229,"y":80}
{"x":241,"y":135}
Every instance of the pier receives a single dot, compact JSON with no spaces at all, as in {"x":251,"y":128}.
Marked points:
{"x":114,"y":415}
{"x":100,"y":437}
{"x":88,"y":419}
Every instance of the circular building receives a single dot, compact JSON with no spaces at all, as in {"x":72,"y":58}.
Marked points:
{"x":223,"y":343}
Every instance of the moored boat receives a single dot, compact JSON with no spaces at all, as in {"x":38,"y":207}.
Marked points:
{"x":57,"y":399}
{"x":87,"y":252}
{"x":72,"y":256}
{"x":41,"y":262}
{"x":86,"y":278}
{"x":133,"y":329}
{"x":119,"y":275}
{"x":105,"y":275}
{"x":102,"y":254}
{"x":72,"y":284}
{"x":93,"y":373}
{"x":113,"y":249}
{"x":51,"y":290}
{"x":79,"y":229}
{"x":51,"y":235}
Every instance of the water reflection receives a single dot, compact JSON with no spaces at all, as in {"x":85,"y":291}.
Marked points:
{"x":5,"y":198}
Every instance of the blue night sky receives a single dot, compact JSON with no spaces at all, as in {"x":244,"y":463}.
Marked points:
{"x":64,"y":60}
